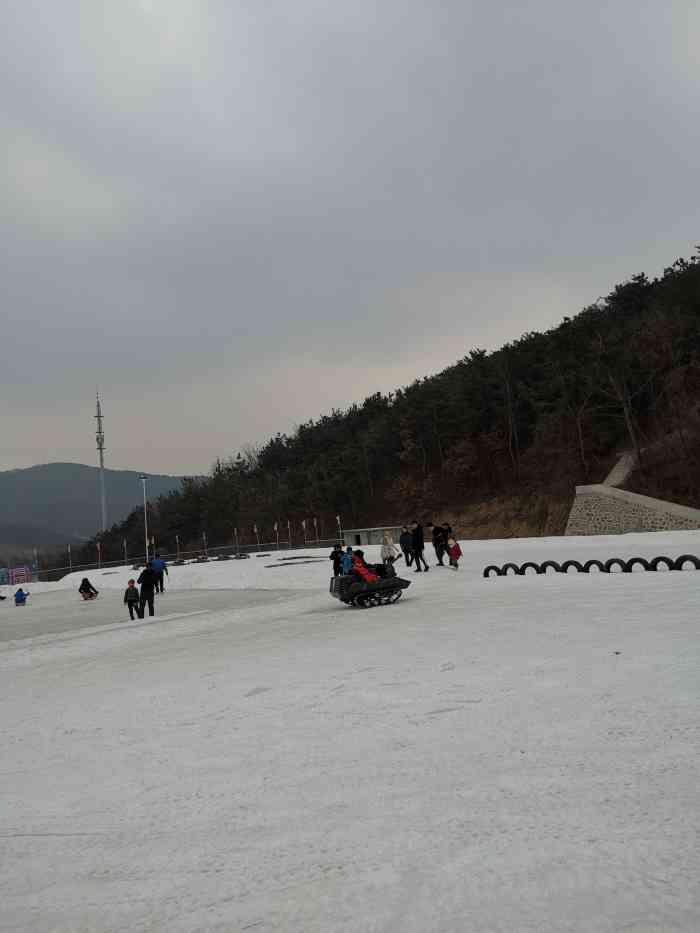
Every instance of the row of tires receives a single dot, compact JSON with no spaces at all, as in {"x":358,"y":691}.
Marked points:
{"x":614,"y":565}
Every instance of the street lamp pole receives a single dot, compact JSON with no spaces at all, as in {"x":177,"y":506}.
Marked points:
{"x":143,"y":478}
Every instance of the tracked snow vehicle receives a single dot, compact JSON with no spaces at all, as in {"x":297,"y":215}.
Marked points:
{"x":351,"y":590}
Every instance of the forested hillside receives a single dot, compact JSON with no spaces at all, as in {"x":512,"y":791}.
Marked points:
{"x":496,"y":442}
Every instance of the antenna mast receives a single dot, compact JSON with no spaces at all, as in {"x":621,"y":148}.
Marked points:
{"x":100,"y":437}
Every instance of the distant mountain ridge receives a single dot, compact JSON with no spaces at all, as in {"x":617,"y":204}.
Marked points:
{"x":59,"y":503}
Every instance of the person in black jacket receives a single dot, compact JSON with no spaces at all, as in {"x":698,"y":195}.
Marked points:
{"x":148,"y":580}
{"x":87,"y":590}
{"x":418,"y":546}
{"x":406,"y":545}
{"x":336,"y":556}
{"x":437,"y":533}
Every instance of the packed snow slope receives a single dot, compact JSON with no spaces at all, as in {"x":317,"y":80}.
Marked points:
{"x":511,"y":754}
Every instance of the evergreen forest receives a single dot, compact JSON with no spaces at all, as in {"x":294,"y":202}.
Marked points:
{"x":495,"y":443}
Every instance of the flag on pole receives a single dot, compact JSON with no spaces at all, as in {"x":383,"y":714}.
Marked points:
{"x":303,"y":523}
{"x":255,"y":529}
{"x":274,"y":527}
{"x":337,"y":519}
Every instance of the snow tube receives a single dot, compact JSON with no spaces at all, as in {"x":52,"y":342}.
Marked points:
{"x":571,"y":563}
{"x":550,"y":563}
{"x":497,"y":571}
{"x":633,"y":561}
{"x":588,"y":566}
{"x":530,"y":565}
{"x":657,"y":561}
{"x":679,"y":561}
{"x":615,"y":562}
{"x":513,"y":567}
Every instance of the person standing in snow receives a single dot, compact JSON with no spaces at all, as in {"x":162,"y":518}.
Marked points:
{"x":418,"y":546}
{"x":336,"y":556}
{"x":454,"y":552}
{"x":406,"y":545}
{"x":160,"y":568}
{"x":437,"y":534}
{"x":148,"y":581}
{"x":389,"y":550}
{"x":132,"y":600}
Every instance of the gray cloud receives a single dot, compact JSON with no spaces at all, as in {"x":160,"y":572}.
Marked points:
{"x":234,"y":216}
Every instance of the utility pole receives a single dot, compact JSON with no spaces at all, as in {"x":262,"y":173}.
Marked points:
{"x":100,"y":437}
{"x":143,"y":478}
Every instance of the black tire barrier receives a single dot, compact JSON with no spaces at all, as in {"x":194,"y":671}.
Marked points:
{"x":616,"y":562}
{"x":608,"y":566}
{"x":497,"y":570}
{"x":633,"y":561}
{"x":571,"y":563}
{"x":679,"y":561}
{"x":657,"y":561}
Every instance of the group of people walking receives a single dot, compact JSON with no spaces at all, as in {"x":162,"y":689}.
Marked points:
{"x":411,"y":546}
{"x":152,"y":581}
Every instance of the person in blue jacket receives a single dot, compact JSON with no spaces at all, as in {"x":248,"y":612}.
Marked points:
{"x":161,"y":568}
{"x":21,"y":597}
{"x":346,"y":560}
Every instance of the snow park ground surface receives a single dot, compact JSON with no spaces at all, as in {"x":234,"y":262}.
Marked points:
{"x":506,"y":754}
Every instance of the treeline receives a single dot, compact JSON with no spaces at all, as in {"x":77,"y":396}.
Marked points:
{"x":534,"y":418}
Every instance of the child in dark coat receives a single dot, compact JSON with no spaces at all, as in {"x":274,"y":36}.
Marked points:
{"x":131,"y":600}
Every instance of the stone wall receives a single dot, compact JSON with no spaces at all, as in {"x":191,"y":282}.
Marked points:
{"x":604,"y":510}
{"x":622,"y":470}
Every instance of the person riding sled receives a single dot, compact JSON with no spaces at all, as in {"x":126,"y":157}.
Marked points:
{"x":346,"y":560}
{"x":360,"y":569}
{"x":87,"y":590}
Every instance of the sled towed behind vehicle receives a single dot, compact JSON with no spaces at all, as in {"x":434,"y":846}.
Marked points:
{"x":351,"y":590}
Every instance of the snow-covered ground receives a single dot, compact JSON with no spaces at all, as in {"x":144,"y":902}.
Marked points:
{"x":511,"y":754}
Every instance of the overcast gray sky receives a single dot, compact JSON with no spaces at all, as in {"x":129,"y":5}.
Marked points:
{"x":233,"y":216}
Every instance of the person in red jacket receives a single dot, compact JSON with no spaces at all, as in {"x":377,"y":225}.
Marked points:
{"x":360,"y":568}
{"x":454,"y":552}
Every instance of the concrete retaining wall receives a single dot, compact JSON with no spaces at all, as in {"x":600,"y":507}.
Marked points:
{"x":604,"y":510}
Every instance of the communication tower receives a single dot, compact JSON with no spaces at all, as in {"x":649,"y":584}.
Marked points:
{"x":100,"y":437}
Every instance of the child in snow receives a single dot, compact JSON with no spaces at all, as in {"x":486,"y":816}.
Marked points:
{"x":346,"y":560}
{"x":87,"y":590}
{"x":131,"y":600}
{"x":336,"y":556}
{"x":389,"y":550}
{"x":361,"y":570}
{"x":21,"y":597}
{"x":454,"y":552}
